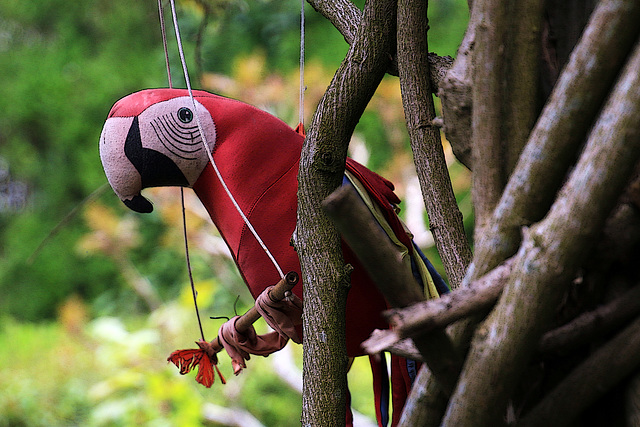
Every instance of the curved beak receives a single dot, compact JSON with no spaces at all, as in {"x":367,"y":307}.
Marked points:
{"x":139,"y":203}
{"x":153,"y":146}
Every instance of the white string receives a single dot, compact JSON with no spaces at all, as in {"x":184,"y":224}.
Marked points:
{"x":163,"y":30}
{"x":206,"y":145}
{"x":302,"y":88}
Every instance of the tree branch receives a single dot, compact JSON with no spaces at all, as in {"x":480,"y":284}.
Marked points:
{"x":445,"y":219}
{"x":522,"y":72}
{"x":550,"y":253}
{"x":425,"y":402}
{"x":486,"y":92}
{"x":345,"y":16}
{"x":593,"y":324}
{"x":455,"y":94}
{"x":441,"y":312}
{"x":560,"y":130}
{"x":316,"y":240}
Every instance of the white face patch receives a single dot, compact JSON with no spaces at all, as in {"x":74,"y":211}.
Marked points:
{"x":170,"y":127}
{"x":121,"y":174}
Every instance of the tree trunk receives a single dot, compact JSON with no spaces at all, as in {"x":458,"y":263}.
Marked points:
{"x":325,"y":277}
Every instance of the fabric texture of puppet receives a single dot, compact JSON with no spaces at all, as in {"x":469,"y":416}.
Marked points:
{"x":240,"y":346}
{"x":150,"y":139}
{"x":283,"y":316}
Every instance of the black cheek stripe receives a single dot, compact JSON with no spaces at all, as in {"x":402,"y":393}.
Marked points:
{"x":155,"y":168}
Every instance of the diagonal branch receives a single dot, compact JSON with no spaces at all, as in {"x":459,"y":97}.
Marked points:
{"x":393,"y":277}
{"x":589,"y":380}
{"x":593,"y":324}
{"x":449,"y":308}
{"x":343,"y":14}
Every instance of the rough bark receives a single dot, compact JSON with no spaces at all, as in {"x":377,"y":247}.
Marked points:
{"x":455,"y":94}
{"x":486,"y":116}
{"x":445,"y":219}
{"x":549,"y":255}
{"x":322,"y":163}
{"x":559,"y":131}
{"x":425,"y":402}
{"x":428,"y":315}
{"x":439,"y":313}
{"x":592,"y":325}
{"x":386,"y":340}
{"x":343,"y":14}
{"x":377,"y":253}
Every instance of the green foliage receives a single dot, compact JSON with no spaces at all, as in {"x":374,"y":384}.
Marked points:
{"x":447,"y":23}
{"x":106,"y":373}
{"x":67,"y":62}
{"x":272,"y":27}
{"x":373,"y":131}
{"x":43,"y":376}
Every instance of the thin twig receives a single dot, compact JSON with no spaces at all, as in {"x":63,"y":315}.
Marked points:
{"x":445,"y":218}
{"x":67,"y":218}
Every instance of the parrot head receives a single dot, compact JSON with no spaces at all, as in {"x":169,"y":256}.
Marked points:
{"x":151,"y":138}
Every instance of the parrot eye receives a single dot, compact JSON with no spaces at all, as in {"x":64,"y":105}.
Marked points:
{"x":185,"y":115}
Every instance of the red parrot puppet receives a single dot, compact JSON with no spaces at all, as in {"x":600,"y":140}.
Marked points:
{"x":151,"y":138}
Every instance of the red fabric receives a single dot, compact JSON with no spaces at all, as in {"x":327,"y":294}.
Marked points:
{"x":204,"y":358}
{"x":349,"y":417}
{"x":240,"y":346}
{"x":283,"y":316}
{"x":401,"y":383}
{"x":380,"y":378}
{"x":258,"y":155}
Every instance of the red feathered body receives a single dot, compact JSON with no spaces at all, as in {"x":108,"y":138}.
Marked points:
{"x":257,"y":155}
{"x":151,"y":139}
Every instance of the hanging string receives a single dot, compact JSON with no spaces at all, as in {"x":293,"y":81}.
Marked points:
{"x":208,"y":149}
{"x":302,"y":87}
{"x":163,"y":30}
{"x":184,"y":215}
{"x":186,"y":251}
